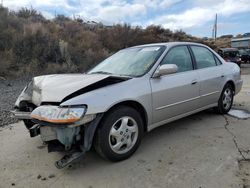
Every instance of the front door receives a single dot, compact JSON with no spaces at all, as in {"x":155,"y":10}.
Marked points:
{"x":177,"y":93}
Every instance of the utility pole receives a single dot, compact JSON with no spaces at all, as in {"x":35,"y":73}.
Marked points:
{"x":213,"y":32}
{"x":1,"y":3}
{"x":215,"y":28}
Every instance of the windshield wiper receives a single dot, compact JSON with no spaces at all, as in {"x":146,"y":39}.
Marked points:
{"x":100,"y":72}
{"x":109,"y":73}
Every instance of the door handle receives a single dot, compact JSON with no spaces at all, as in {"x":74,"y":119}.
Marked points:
{"x":222,"y":76}
{"x":194,"y":82}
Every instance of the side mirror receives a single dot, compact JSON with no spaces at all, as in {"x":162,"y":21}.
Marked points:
{"x":165,"y":69}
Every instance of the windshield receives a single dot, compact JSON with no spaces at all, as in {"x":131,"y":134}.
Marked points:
{"x":130,"y":62}
{"x":243,"y":52}
{"x":248,"y":51}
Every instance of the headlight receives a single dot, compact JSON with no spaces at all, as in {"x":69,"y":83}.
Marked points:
{"x":60,"y":115}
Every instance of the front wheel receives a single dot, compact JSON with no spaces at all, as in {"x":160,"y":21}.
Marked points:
{"x":226,"y":99}
{"x":119,"y":134}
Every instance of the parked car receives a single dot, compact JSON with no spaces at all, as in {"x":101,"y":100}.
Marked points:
{"x":130,"y":93}
{"x":230,"y":55}
{"x":244,"y":55}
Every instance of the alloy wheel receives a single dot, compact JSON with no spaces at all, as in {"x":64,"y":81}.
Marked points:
{"x":227,"y":98}
{"x":123,"y":135}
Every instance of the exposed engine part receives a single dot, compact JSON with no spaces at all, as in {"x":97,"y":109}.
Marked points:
{"x":34,"y":130}
{"x":25,"y":106}
{"x":85,"y":144}
{"x":55,"y":145}
{"x":66,"y":136}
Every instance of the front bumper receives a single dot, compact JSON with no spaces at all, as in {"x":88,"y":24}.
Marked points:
{"x":76,"y":140}
{"x":63,"y":133}
{"x":21,"y":115}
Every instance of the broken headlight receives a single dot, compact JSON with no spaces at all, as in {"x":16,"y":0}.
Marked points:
{"x":59,"y":115}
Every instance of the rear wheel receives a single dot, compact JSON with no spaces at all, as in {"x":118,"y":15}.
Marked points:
{"x":226,"y":99}
{"x":119,"y":134}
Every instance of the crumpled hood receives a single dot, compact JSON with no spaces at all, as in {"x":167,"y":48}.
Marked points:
{"x":54,"y":88}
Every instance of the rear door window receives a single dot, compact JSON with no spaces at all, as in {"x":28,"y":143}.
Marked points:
{"x":218,"y":62}
{"x":204,"y":58}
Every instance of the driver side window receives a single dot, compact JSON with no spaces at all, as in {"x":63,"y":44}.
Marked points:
{"x":179,"y":56}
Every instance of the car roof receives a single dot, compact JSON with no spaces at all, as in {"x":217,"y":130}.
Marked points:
{"x":228,"y":49}
{"x":169,"y":44}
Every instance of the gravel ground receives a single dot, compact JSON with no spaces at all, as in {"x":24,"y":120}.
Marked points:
{"x":9,"y":91}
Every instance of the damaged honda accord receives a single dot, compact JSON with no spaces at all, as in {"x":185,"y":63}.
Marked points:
{"x":131,"y":92}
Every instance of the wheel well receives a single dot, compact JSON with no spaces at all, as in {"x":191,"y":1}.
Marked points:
{"x":137,"y":106}
{"x":232,"y":84}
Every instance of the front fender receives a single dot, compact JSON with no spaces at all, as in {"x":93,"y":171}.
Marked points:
{"x":101,"y":100}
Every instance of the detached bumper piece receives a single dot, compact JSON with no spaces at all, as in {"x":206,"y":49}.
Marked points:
{"x":69,"y":158}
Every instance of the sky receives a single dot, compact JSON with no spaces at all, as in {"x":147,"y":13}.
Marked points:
{"x":195,"y":17}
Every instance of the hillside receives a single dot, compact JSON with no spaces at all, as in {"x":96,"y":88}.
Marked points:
{"x":31,"y":45}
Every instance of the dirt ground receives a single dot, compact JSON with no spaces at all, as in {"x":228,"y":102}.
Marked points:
{"x":201,"y":151}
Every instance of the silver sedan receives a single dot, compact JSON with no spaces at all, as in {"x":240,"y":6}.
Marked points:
{"x":130,"y":93}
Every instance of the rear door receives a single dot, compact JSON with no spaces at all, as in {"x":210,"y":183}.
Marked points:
{"x":210,"y":75}
{"x":177,"y":93}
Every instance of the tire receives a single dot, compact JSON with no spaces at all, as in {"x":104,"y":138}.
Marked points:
{"x":224,"y":103}
{"x":119,"y":134}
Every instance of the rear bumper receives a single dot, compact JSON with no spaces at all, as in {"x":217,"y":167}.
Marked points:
{"x":238,"y":86}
